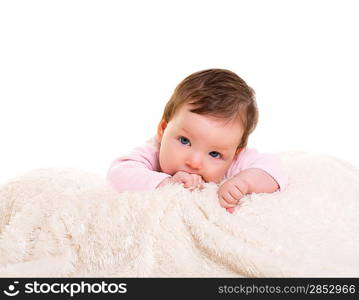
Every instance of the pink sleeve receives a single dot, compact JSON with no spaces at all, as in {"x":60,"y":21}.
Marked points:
{"x":138,"y":171}
{"x":251,"y":158}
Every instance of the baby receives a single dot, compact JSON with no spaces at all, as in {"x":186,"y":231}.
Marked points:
{"x":202,"y":137}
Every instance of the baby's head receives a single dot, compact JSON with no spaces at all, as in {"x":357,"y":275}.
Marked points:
{"x":206,"y":123}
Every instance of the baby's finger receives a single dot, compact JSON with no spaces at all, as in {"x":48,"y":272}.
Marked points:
{"x":236,"y":192}
{"x":224,"y":203}
{"x":230,"y":198}
{"x":201,"y":183}
{"x":188,"y":181}
{"x":230,"y":201}
{"x":193,"y":184}
{"x":234,"y":196}
{"x":230,"y":210}
{"x":198,"y":183}
{"x":195,"y":180}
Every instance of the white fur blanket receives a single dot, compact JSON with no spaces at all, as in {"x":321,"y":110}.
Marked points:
{"x":67,"y":223}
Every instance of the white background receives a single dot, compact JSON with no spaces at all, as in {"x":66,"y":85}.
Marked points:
{"x":82,"y":82}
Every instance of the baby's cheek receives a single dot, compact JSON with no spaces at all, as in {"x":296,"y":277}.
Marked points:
{"x":168,"y":165}
{"x":215,"y":175}
{"x":211,"y":177}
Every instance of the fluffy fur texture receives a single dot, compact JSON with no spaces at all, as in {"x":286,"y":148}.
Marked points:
{"x":67,"y":223}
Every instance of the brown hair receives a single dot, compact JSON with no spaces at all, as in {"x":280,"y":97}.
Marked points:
{"x":219,"y":93}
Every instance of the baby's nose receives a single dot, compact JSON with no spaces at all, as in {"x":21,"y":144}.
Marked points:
{"x":194,"y":161}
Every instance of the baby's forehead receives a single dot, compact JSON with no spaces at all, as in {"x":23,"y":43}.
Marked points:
{"x":210,"y":121}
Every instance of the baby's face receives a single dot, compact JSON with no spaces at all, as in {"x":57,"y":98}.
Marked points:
{"x":198,"y":144}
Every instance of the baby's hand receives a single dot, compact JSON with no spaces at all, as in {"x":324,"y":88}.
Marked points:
{"x":189,"y":181}
{"x":230,"y":192}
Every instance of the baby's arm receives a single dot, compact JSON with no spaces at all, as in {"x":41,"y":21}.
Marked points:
{"x":256,"y":181}
{"x":132,"y":175}
{"x":137,"y":171}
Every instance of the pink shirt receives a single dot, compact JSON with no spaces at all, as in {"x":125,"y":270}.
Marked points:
{"x":140,"y":170}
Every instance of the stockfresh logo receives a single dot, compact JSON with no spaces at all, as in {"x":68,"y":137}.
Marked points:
{"x":11,"y":290}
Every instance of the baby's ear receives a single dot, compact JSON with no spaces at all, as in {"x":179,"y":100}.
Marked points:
{"x":160,"y":130}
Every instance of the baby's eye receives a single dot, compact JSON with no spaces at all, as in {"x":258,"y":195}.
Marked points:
{"x":184,"y":141}
{"x":215,"y":154}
